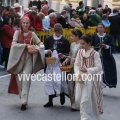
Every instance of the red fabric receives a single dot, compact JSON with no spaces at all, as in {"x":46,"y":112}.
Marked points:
{"x":26,"y":38}
{"x":31,"y":19}
{"x":38,"y":24}
{"x":7,"y":13}
{"x":13,"y":87}
{"x":53,"y":22}
{"x":44,"y":12}
{"x":44,"y":4}
{"x":7,"y":36}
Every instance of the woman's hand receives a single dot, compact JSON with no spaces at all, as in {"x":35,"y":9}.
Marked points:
{"x":103,"y":45}
{"x":49,"y":51}
{"x":64,"y":63}
{"x":33,"y":51}
{"x":72,"y":60}
{"x":84,"y":70}
{"x":60,"y":55}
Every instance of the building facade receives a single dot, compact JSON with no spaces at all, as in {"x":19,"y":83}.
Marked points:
{"x":58,"y":4}
{"x":23,"y":3}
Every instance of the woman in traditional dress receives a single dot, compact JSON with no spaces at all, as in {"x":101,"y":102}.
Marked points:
{"x":75,"y":46}
{"x":60,"y":47}
{"x":88,"y":70}
{"x":103,"y":43}
{"x":23,"y":63}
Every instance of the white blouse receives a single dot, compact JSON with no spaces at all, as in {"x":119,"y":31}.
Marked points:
{"x":74,"y":49}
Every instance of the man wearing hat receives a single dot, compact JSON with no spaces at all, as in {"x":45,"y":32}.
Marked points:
{"x":17,"y":9}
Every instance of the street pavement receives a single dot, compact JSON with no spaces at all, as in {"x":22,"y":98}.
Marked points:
{"x":10,"y":104}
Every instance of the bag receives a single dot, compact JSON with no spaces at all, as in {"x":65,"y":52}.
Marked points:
{"x":32,"y":49}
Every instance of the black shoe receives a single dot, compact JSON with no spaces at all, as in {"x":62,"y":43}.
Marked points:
{"x":49,"y":104}
{"x":62,"y":99}
{"x":73,"y":110}
{"x":113,"y":86}
{"x":23,"y":107}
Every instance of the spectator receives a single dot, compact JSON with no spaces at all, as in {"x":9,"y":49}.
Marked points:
{"x":16,"y":24}
{"x":100,"y":6}
{"x":85,"y":21}
{"x":5,"y":12}
{"x":63,"y":21}
{"x":13,"y":12}
{"x":34,"y":3}
{"x":51,"y":11}
{"x":99,"y":13}
{"x":105,"y":20}
{"x":53,"y":21}
{"x":87,"y":8}
{"x":114,"y":19}
{"x":34,"y":8}
{"x":47,"y":19}
{"x":70,"y":6}
{"x":26,"y":10}
{"x":17,"y":9}
{"x":44,"y":3}
{"x":67,"y":9}
{"x":6,"y":38}
{"x":31,"y":15}
{"x":81,"y":5}
{"x":39,"y":5}
{"x":30,"y":3}
{"x":80,"y":8}
{"x":76,"y":22}
{"x":107,"y":10}
{"x":38,"y":21}
{"x":45,"y":10}
{"x":73,"y":13}
{"x":93,"y":18}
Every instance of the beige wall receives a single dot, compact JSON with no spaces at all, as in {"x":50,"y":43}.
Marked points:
{"x":58,"y":4}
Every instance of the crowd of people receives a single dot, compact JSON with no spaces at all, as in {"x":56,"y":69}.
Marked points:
{"x":42,"y":19}
{"x":16,"y":33}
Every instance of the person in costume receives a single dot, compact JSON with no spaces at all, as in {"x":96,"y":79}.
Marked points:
{"x":60,"y":46}
{"x":104,"y":44}
{"x":75,"y":46}
{"x":88,"y":71}
{"x":22,"y":62}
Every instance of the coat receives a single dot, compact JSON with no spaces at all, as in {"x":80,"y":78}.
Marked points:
{"x":6,"y":36}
